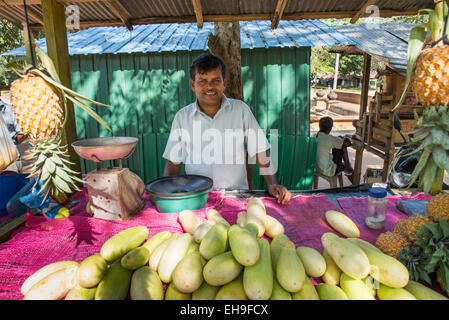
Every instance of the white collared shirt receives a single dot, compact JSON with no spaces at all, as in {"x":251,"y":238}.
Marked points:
{"x":216,"y":147}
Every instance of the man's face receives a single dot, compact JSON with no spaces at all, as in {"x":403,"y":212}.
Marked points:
{"x":209,"y":87}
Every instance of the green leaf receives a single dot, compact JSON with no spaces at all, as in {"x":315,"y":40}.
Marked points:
{"x":438,"y":135}
{"x":48,"y":64}
{"x":62,"y":185}
{"x":419,"y":166}
{"x":439,"y":155}
{"x":68,"y":91}
{"x":91,"y":112}
{"x":429,"y":175}
{"x":444,"y":227}
{"x":415,"y":45}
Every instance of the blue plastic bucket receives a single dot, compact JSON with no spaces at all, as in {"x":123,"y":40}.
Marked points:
{"x":10,"y":184}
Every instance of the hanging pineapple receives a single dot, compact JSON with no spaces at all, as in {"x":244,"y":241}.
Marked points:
{"x":428,"y":75}
{"x":39,"y":102}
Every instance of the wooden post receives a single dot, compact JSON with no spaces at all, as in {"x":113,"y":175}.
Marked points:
{"x":337,"y":65}
{"x":58,"y":50}
{"x":362,"y":114}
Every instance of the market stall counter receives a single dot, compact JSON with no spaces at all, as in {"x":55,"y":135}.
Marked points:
{"x":43,"y":241}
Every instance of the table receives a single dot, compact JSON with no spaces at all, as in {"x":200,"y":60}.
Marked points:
{"x":45,"y":241}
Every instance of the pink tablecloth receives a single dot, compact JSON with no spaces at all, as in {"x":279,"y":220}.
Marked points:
{"x":45,"y":241}
{"x":355,"y":208}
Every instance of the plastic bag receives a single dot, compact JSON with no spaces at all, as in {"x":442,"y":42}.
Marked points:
{"x":8,"y":151}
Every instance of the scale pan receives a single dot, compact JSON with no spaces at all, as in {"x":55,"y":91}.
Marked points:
{"x":105,"y":148}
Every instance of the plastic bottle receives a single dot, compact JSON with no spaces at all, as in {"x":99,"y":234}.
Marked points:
{"x":376,"y":206}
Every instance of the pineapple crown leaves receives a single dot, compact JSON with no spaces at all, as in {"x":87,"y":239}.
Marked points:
{"x":433,"y":239}
{"x":438,"y":28}
{"x":414,"y":260}
{"x":52,"y":168}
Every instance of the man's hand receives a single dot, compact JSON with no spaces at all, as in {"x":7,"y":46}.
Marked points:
{"x":280,"y":193}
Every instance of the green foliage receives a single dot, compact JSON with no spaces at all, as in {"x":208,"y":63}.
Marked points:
{"x":11,"y":37}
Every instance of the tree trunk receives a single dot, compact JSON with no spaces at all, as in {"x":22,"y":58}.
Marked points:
{"x":225,"y":43}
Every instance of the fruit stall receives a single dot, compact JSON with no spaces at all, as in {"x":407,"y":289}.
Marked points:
{"x":106,"y":235}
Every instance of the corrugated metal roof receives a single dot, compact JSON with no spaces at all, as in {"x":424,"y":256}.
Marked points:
{"x":187,"y":37}
{"x":388,"y":41}
{"x":99,"y":11}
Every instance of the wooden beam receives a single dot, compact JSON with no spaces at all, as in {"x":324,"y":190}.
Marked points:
{"x":198,"y":13}
{"x":58,"y":51}
{"x":230,"y":18}
{"x":278,"y":13}
{"x":119,"y":11}
{"x":362,"y":11}
{"x":365,"y":84}
{"x":33,"y":14}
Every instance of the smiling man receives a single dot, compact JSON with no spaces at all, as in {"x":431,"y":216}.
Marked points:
{"x":212,"y":136}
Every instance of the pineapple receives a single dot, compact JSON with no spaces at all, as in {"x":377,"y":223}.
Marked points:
{"x":413,"y":224}
{"x":438,"y":206}
{"x":392,"y":243}
{"x":431,"y":79}
{"x":428,"y":74}
{"x":37,"y":107}
{"x":39,"y":101}
{"x":401,"y":227}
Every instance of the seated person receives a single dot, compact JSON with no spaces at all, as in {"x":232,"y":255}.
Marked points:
{"x":332,"y":153}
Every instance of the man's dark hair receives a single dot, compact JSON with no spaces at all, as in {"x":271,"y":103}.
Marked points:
{"x":326,"y":124}
{"x":206,"y":62}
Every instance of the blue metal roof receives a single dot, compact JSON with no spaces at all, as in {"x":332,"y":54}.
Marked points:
{"x":187,"y":37}
{"x":388,"y":41}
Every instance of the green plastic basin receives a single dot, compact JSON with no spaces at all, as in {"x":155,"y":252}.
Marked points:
{"x":176,"y":193}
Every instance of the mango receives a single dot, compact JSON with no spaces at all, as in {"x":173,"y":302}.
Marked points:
{"x":215,"y":241}
{"x":214,"y":215}
{"x":115,"y":284}
{"x":221,"y":269}
{"x":232,"y":290}
{"x":333,"y":272}
{"x":205,"y":292}
{"x":289,"y":270}
{"x":384,"y":268}
{"x":258,"y":278}
{"x":244,"y":246}
{"x":202,"y":229}
{"x":91,"y":271}
{"x":136,"y":258}
{"x":328,"y":291}
{"x":188,"y":273}
{"x":146,"y":285}
{"x":308,"y":292}
{"x":342,"y":223}
{"x":355,"y":289}
{"x":152,"y":243}
{"x":80,"y":293}
{"x":172,"y":293}
{"x":175,"y":251}
{"x":279,"y":293}
{"x":275,"y":248}
{"x":350,"y":258}
{"x":189,"y":221}
{"x":421,"y":292}
{"x":121,"y":243}
{"x":313,"y":261}
{"x":388,"y":293}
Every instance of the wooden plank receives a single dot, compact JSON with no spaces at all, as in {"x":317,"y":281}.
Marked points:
{"x":277,"y":16}
{"x":119,"y":11}
{"x":365,"y":83}
{"x":58,"y":51}
{"x":362,"y":12}
{"x":198,"y":13}
{"x":382,"y":132}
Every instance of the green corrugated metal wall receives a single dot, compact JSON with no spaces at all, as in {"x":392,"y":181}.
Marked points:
{"x":146,"y":91}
